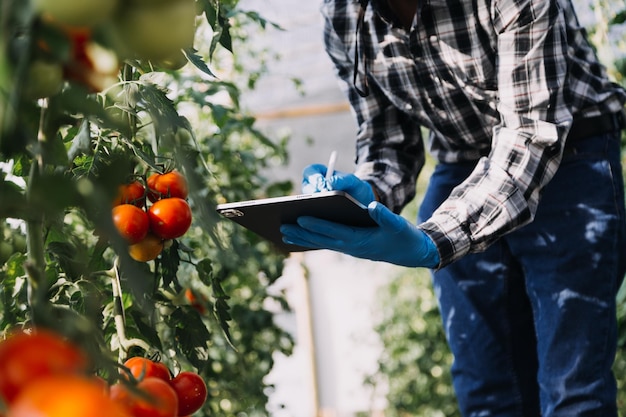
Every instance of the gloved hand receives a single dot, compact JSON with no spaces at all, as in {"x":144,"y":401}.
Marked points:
{"x":313,"y":181}
{"x":396,"y":241}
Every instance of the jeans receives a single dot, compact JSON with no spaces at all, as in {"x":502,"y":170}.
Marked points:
{"x":531,"y":321}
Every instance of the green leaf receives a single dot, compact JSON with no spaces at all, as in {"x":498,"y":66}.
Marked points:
{"x":81,"y":143}
{"x":255,"y":16}
{"x":146,"y":329}
{"x":198,"y":61}
{"x":191,"y":335}
{"x":169,"y":262}
{"x":161,"y":109}
{"x":12,"y":200}
{"x":619,"y":18}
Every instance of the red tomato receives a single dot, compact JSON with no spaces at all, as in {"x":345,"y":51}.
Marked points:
{"x":170,"y":218}
{"x":160,"y":399}
{"x":66,"y":396}
{"x":25,"y":358}
{"x":131,"y":222}
{"x":170,"y":184}
{"x":133,"y":193}
{"x":142,"y":368}
{"x":191,"y":391}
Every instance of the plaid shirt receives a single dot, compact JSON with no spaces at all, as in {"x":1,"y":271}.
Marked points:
{"x":498,"y":81}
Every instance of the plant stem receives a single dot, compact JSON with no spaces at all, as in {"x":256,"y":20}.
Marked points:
{"x":36,"y":263}
{"x":120,"y":318}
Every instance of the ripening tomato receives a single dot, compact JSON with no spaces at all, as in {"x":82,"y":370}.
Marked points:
{"x":131,"y":222}
{"x":66,"y":396}
{"x":192,"y":299}
{"x":170,"y":218}
{"x":160,"y":399}
{"x":92,"y":65}
{"x":191,"y":391}
{"x":147,"y":249}
{"x":26,"y":357}
{"x":132,"y":193}
{"x":170,"y":184}
{"x":142,"y":368}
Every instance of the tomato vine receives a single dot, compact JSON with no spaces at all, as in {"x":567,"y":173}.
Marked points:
{"x":112,"y":117}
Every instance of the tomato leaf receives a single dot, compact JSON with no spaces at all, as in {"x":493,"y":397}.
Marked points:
{"x":220,"y":306}
{"x":169,"y":264}
{"x":191,"y":335}
{"x":198,"y":61}
{"x":12,"y":200}
{"x":146,"y":329}
{"x":161,"y":109}
{"x":81,"y":143}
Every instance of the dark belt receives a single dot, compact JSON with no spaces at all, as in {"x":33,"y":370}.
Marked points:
{"x":593,"y":126}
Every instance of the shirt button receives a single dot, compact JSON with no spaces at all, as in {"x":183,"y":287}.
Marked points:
{"x":433,"y":39}
{"x":408,"y":107}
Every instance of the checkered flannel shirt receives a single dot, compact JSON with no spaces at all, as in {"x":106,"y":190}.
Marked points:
{"x":498,"y":81}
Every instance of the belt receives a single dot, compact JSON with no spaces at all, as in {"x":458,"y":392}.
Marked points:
{"x":593,"y":126}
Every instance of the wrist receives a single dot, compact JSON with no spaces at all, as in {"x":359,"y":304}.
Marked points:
{"x":374,"y":191}
{"x":431,"y":253}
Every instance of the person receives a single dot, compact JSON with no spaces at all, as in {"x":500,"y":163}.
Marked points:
{"x":522,"y":222}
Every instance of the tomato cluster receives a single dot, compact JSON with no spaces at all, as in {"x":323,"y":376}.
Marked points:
{"x":173,"y":396}
{"x":42,"y":374}
{"x":100,"y":35}
{"x":148,"y":216}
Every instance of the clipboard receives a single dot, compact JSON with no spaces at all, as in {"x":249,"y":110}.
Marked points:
{"x":265,"y":216}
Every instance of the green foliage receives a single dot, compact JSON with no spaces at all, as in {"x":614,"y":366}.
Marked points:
{"x":68,"y":154}
{"x":416,"y":359}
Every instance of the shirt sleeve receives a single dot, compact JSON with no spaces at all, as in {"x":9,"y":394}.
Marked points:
{"x":389,"y":145}
{"x":503,"y":191}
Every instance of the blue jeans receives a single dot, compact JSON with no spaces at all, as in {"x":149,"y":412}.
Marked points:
{"x":531,"y":321}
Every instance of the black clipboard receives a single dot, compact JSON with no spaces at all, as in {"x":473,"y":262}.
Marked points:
{"x":265,"y":216}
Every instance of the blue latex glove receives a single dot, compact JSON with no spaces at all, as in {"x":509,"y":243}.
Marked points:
{"x":314,"y":181}
{"x":396,"y":241}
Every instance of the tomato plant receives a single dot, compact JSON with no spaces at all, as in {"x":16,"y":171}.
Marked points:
{"x":131,"y":222}
{"x":114,"y":115}
{"x":170,"y":217}
{"x":191,"y":391}
{"x":169,"y":184}
{"x":155,"y":398}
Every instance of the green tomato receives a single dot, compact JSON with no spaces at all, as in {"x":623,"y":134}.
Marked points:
{"x":44,"y":79}
{"x":173,"y":62}
{"x":158,"y":31}
{"x":19,"y":243}
{"x":84,"y":13}
{"x":6,"y":250}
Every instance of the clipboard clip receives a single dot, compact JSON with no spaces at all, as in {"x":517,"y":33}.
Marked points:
{"x":230,"y":213}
